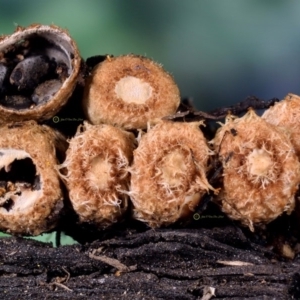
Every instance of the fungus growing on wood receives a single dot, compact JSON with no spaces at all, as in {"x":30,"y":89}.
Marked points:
{"x":261,"y":170}
{"x":286,"y":114}
{"x":30,"y":191}
{"x":168,"y":174}
{"x":129,"y":91}
{"x":39,"y":69}
{"x":96,"y":172}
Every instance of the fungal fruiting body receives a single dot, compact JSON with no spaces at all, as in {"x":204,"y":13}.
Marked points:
{"x":39,"y":69}
{"x":30,"y":190}
{"x":286,"y":114}
{"x":168,"y":174}
{"x":96,"y":172}
{"x":129,"y":91}
{"x":261,"y":170}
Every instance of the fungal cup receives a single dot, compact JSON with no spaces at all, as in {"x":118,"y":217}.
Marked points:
{"x":261,"y":171}
{"x":30,"y":189}
{"x":39,"y":67}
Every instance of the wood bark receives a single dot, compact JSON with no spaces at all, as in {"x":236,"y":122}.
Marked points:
{"x":173,"y":263}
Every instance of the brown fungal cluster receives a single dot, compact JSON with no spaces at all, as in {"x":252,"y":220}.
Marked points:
{"x":30,"y":192}
{"x":96,"y":172}
{"x":261,"y":170}
{"x":286,"y":114}
{"x":39,"y":66}
{"x":129,"y":91}
{"x":168,"y":175}
{"x":126,"y":154}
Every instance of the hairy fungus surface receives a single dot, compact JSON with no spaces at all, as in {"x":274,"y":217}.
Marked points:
{"x":129,"y":91}
{"x":261,"y":170}
{"x":30,"y":193}
{"x":96,"y":172}
{"x":39,"y":67}
{"x":286,"y":114}
{"x":168,"y":174}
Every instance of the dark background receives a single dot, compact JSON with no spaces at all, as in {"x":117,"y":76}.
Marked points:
{"x":219,"y":52}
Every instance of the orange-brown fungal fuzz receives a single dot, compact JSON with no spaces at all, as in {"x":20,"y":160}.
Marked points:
{"x":168,"y":173}
{"x":30,"y":191}
{"x":129,"y":91}
{"x":261,"y":170}
{"x":286,"y":114}
{"x":96,"y":172}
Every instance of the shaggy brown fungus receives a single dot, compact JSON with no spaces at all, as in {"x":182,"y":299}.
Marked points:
{"x":96,"y":172}
{"x":39,"y":68}
{"x":261,"y":170}
{"x":129,"y":91}
{"x":30,"y":192}
{"x":286,"y":114}
{"x":168,"y":174}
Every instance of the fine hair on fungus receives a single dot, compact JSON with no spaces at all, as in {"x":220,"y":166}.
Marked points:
{"x":129,"y":91}
{"x":286,"y":114}
{"x":96,"y":172}
{"x":30,"y":190}
{"x":261,"y":171}
{"x":168,"y":174}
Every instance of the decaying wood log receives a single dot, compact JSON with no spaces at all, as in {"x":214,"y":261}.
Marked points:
{"x":211,"y":258}
{"x":196,"y":263}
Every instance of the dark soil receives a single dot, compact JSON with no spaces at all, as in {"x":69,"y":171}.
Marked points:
{"x":132,"y":262}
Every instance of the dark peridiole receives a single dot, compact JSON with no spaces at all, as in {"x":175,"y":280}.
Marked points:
{"x":39,"y":69}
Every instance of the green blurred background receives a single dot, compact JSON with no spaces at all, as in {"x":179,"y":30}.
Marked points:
{"x":218,"y":51}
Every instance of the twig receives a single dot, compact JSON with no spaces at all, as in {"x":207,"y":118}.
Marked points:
{"x":235,"y":263}
{"x":112,"y":262}
{"x":62,"y":286}
{"x":68,"y":275}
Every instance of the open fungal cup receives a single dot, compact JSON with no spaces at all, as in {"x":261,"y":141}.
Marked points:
{"x":168,"y":174}
{"x":30,"y":191}
{"x":261,"y":170}
{"x":286,"y":114}
{"x":129,"y":91}
{"x":39,"y":68}
{"x":96,"y":173}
